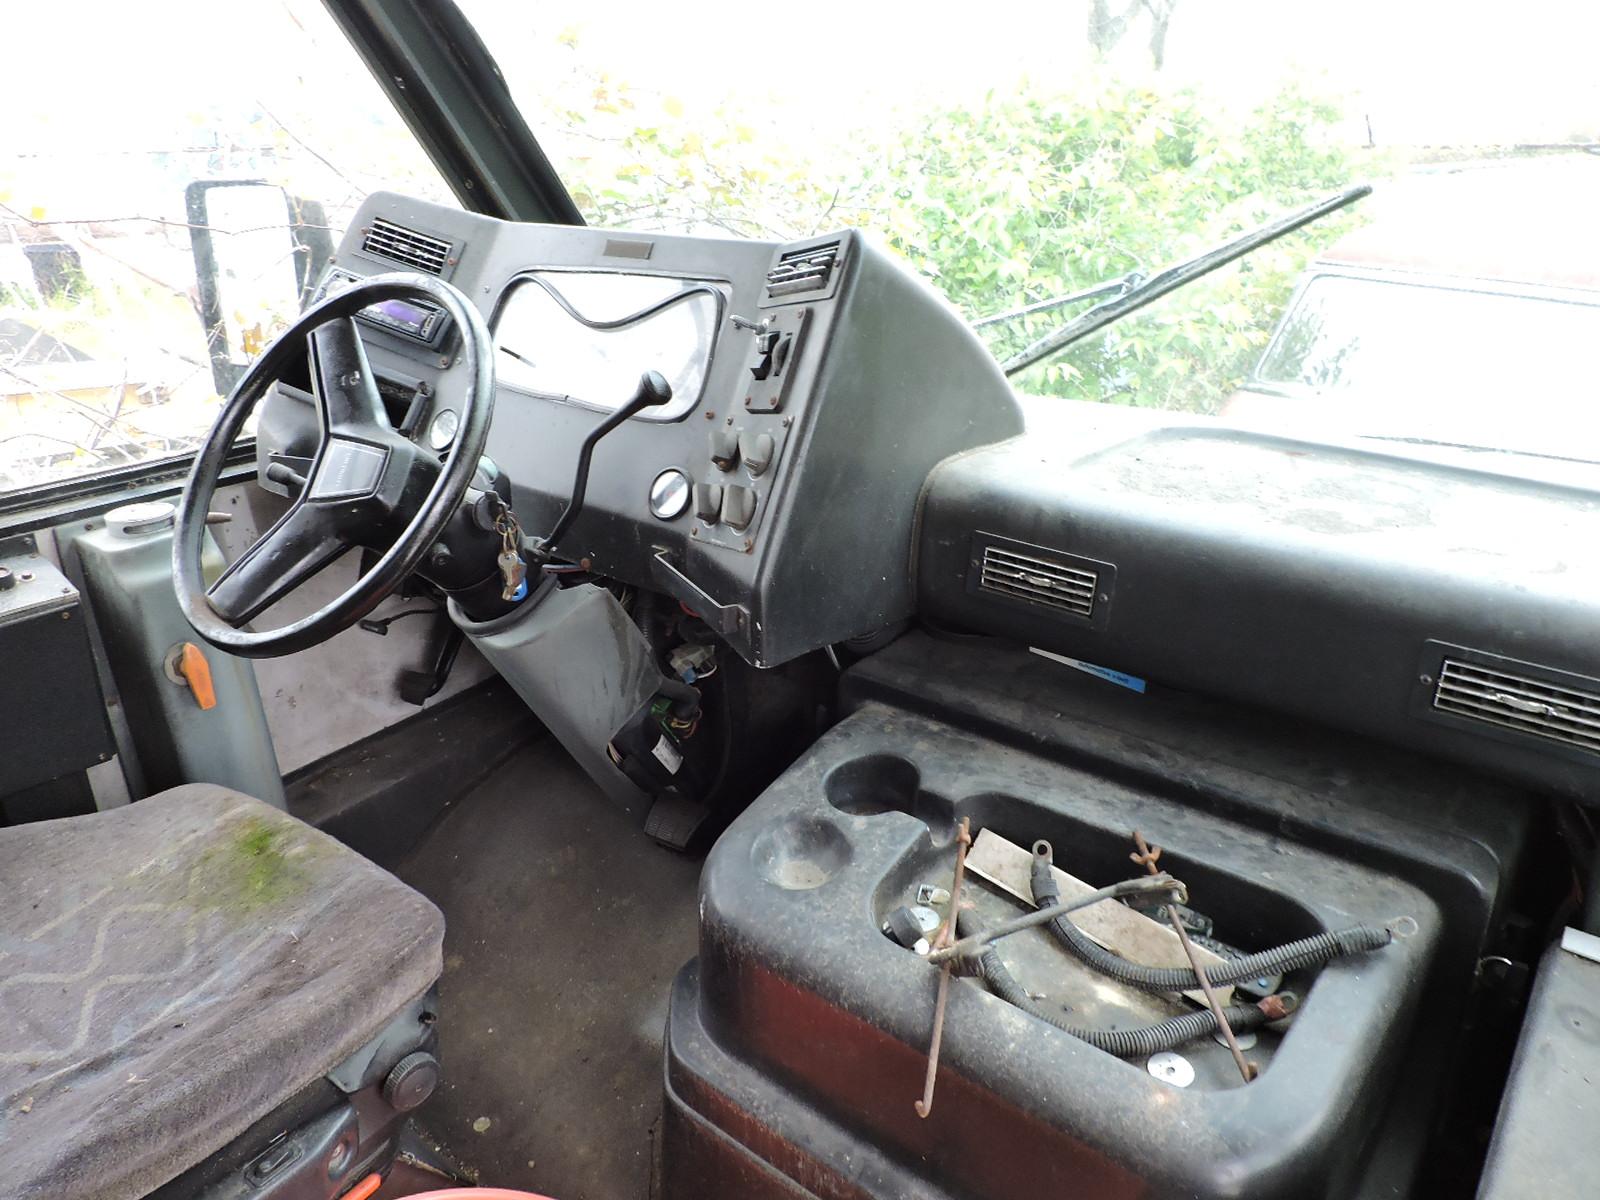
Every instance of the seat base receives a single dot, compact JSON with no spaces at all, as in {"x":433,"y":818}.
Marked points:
{"x":175,"y":970}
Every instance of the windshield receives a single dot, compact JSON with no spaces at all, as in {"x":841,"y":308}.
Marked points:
{"x":130,"y":129}
{"x":1489,"y":365}
{"x":1009,"y":156}
{"x":1016,"y":154}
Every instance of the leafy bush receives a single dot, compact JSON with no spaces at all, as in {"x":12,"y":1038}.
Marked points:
{"x":1020,"y":198}
{"x":1034,"y":197}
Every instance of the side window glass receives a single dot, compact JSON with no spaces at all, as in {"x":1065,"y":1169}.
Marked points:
{"x":158,"y":230}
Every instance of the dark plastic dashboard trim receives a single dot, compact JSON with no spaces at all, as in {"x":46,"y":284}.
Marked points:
{"x":1105,"y":579}
{"x":1285,"y":574}
{"x":1433,"y":655}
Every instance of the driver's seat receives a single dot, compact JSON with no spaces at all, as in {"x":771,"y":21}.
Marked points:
{"x":199,"y":992}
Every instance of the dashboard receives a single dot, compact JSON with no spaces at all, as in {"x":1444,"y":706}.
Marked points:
{"x":815,"y":384}
{"x":841,"y":452}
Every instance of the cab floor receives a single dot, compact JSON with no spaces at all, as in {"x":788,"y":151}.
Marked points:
{"x":564,"y":927}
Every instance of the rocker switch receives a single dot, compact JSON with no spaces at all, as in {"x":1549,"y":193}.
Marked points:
{"x":724,"y":449}
{"x":738,"y":507}
{"x":761,"y":357}
{"x":708,"y":502}
{"x":756,"y":449}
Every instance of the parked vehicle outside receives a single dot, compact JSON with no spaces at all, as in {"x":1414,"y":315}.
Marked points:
{"x":1465,"y":314}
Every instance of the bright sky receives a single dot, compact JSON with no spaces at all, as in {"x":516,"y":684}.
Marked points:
{"x":1425,"y":71}
{"x":1420,"y":71}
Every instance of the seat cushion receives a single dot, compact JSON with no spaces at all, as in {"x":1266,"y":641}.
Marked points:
{"x":173,"y":970}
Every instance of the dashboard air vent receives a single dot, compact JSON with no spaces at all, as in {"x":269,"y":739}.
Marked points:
{"x":419,"y":251}
{"x":806,"y":270}
{"x":1538,"y":708}
{"x":1038,"y":578}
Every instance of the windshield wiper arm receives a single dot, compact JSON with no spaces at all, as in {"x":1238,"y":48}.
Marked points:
{"x":1135,"y":295}
{"x":1122,"y":283}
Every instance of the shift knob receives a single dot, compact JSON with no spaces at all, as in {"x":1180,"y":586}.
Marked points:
{"x":653,"y":390}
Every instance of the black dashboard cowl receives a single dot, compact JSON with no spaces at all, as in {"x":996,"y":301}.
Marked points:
{"x":831,"y":380}
{"x":1319,"y":580}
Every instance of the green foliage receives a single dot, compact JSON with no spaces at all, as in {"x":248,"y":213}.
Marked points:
{"x":1025,"y":196}
{"x":1033,"y":197}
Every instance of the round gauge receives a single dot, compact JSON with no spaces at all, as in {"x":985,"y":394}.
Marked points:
{"x":442,"y":430}
{"x":669,"y":494}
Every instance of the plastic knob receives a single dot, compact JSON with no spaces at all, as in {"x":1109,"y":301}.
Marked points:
{"x":411,"y":1081}
{"x":653,"y":390}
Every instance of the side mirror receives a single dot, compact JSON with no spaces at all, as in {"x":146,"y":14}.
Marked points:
{"x":258,"y":253}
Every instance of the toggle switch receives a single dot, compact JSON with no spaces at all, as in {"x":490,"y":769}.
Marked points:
{"x":756,"y":449}
{"x":780,"y":354}
{"x":724,"y":449}
{"x":738,"y":506}
{"x":708,"y":502}
{"x":186,"y":665}
{"x":761,"y":357}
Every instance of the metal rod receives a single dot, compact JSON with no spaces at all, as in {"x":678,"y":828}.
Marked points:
{"x":1039,"y":306}
{"x":1148,"y":857}
{"x":1116,"y":891}
{"x":924,"y":1106}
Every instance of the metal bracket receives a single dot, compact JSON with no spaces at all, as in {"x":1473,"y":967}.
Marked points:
{"x":726,"y":619}
{"x":23,"y":545}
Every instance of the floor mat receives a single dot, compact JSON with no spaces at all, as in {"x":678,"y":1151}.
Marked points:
{"x":565,"y":926}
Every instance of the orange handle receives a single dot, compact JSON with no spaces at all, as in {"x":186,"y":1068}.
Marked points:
{"x":196,"y":671}
{"x":365,"y":1188}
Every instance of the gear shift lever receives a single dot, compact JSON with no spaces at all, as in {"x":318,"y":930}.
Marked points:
{"x":653,"y":390}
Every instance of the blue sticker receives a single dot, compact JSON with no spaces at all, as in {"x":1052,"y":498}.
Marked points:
{"x":1121,"y":678}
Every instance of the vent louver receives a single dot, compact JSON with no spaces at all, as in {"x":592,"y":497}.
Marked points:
{"x":1535,"y":707}
{"x":419,"y":251}
{"x":1038,"y":579}
{"x":805,"y":270}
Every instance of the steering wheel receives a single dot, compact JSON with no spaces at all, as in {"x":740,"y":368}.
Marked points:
{"x":368,"y":485}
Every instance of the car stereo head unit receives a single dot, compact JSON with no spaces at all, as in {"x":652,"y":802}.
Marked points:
{"x":414,"y":319}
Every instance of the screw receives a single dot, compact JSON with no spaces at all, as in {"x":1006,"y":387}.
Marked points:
{"x":710,"y":416}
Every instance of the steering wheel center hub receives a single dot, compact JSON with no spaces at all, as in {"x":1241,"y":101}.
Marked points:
{"x":348,"y":469}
